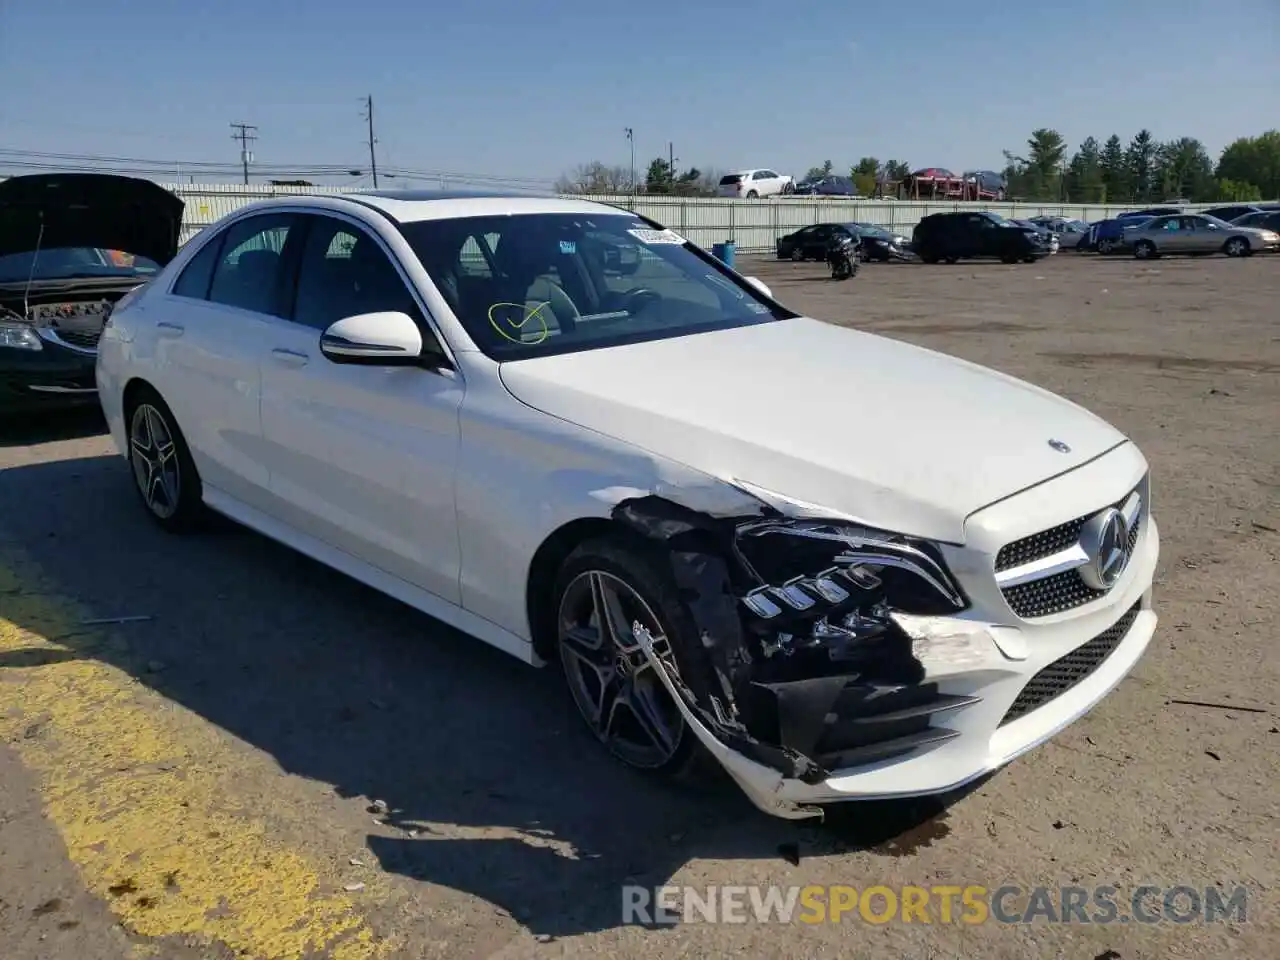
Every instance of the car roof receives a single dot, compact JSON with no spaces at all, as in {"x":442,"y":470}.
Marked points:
{"x":412,"y":206}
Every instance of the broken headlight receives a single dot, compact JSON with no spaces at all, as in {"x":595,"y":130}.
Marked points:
{"x":834,"y":585}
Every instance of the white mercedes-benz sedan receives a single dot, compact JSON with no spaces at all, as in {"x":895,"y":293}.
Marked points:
{"x":840,"y":566}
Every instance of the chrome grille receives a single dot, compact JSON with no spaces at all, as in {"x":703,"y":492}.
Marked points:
{"x":1057,"y":592}
{"x":1066,"y":672}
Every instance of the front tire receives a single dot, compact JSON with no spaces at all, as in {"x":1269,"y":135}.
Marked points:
{"x":1237,"y":247}
{"x":603,"y":587}
{"x":164,"y":474}
{"x":1144,"y":250}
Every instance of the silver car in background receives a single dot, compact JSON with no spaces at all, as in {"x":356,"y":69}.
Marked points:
{"x":1197,"y":233}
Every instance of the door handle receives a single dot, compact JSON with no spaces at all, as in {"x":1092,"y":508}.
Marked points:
{"x":289,"y":358}
{"x":167,"y":329}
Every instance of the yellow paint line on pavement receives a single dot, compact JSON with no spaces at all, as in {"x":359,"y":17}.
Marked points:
{"x":142,"y":792}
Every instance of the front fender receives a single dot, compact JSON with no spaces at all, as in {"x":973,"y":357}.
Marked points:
{"x":524,"y":474}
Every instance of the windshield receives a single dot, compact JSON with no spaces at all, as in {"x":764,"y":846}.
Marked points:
{"x":1216,"y":221}
{"x":531,"y":285}
{"x":72,"y":263}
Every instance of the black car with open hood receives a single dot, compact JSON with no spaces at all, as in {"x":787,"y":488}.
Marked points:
{"x":71,"y":245}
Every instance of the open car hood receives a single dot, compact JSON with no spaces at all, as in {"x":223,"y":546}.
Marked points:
{"x":100,"y":210}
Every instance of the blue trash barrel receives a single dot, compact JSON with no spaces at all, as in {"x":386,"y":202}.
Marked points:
{"x":723,"y":252}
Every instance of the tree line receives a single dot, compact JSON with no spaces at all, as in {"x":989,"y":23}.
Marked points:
{"x":1144,"y":170}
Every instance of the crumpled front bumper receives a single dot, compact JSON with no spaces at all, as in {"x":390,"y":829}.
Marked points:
{"x":983,"y":666}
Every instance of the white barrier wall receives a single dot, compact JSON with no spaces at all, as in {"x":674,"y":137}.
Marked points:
{"x":753,"y":225}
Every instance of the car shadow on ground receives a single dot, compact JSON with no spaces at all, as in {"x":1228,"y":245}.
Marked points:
{"x":74,"y":424}
{"x":512,"y":799}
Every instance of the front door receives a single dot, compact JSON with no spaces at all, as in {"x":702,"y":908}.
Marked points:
{"x":361,"y":457}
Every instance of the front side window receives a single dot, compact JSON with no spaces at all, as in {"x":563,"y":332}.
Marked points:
{"x":249,"y":273}
{"x":343,"y":272}
{"x":562,"y":283}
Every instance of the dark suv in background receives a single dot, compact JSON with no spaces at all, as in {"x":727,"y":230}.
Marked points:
{"x":962,"y":236}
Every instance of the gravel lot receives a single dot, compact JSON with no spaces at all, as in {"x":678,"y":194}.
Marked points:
{"x":272,"y":701}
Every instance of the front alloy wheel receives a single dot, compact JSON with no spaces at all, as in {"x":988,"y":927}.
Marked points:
{"x":613,"y":683}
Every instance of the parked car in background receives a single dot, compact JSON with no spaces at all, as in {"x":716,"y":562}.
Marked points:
{"x":1231,"y":211}
{"x":1197,"y":233}
{"x":829,"y":186}
{"x":957,"y":236}
{"x":813,"y":242}
{"x":1049,"y":237}
{"x":751,"y":184}
{"x":1261,"y":219}
{"x":720,"y":579}
{"x":1149,"y":212}
{"x":1108,"y":236}
{"x":1070,"y":232}
{"x":882,"y":244}
{"x":989,"y":184}
{"x":72,"y":246}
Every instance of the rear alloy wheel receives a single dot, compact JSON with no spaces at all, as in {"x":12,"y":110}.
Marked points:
{"x":797,"y":254}
{"x":163,"y":472}
{"x":1144,"y":250}
{"x":603,"y":590}
{"x":1105,"y":246}
{"x":1237,"y":247}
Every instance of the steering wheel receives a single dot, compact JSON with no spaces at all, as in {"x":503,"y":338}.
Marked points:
{"x":638,"y":298}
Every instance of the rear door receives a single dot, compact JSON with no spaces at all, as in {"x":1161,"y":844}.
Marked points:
{"x":815,"y":243}
{"x":211,"y":332}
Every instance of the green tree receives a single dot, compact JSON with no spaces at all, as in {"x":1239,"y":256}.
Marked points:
{"x":1235,"y":191}
{"x":660,"y":177}
{"x":1115,"y":175}
{"x":1045,"y":150}
{"x":1254,"y":160}
{"x":895,"y":170}
{"x":689,"y":183}
{"x":866,"y":175}
{"x":817,"y":173}
{"x":1084,"y":174}
{"x":1140,"y":160}
{"x":1183,"y":169}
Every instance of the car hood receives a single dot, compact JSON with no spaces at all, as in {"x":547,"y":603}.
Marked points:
{"x":893,"y":435}
{"x":89,"y":210}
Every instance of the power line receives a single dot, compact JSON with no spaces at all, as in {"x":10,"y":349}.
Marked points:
{"x":245,"y":138}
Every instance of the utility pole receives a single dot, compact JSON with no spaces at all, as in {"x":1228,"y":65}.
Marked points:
{"x":631,"y":138}
{"x":245,"y":137}
{"x":373,"y":159}
{"x":671,"y":164}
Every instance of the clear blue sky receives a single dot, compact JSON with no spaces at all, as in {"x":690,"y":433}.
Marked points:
{"x":519,"y":89}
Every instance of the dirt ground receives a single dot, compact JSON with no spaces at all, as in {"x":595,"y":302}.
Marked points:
{"x":275,"y":759}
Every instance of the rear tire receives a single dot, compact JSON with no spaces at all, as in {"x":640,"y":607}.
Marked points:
{"x":797,"y":254}
{"x":617,"y":692}
{"x":1144,"y":250}
{"x":164,"y":474}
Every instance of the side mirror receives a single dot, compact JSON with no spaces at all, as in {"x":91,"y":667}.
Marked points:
{"x":390,"y":338}
{"x":759,"y":285}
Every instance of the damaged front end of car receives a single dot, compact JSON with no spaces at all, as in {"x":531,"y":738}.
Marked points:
{"x":809,"y":628}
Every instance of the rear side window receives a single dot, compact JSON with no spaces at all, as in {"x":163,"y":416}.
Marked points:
{"x":730,"y":180}
{"x":249,"y":273}
{"x":194,"y":280}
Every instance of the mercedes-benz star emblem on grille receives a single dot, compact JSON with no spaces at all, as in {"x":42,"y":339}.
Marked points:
{"x":1105,"y":540}
{"x":1059,"y":446}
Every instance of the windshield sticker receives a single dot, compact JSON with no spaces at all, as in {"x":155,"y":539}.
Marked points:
{"x":657,"y":236}
{"x":568,"y":247}
{"x":511,"y":319}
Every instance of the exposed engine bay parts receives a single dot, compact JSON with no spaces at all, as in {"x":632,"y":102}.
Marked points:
{"x":803,"y":664}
